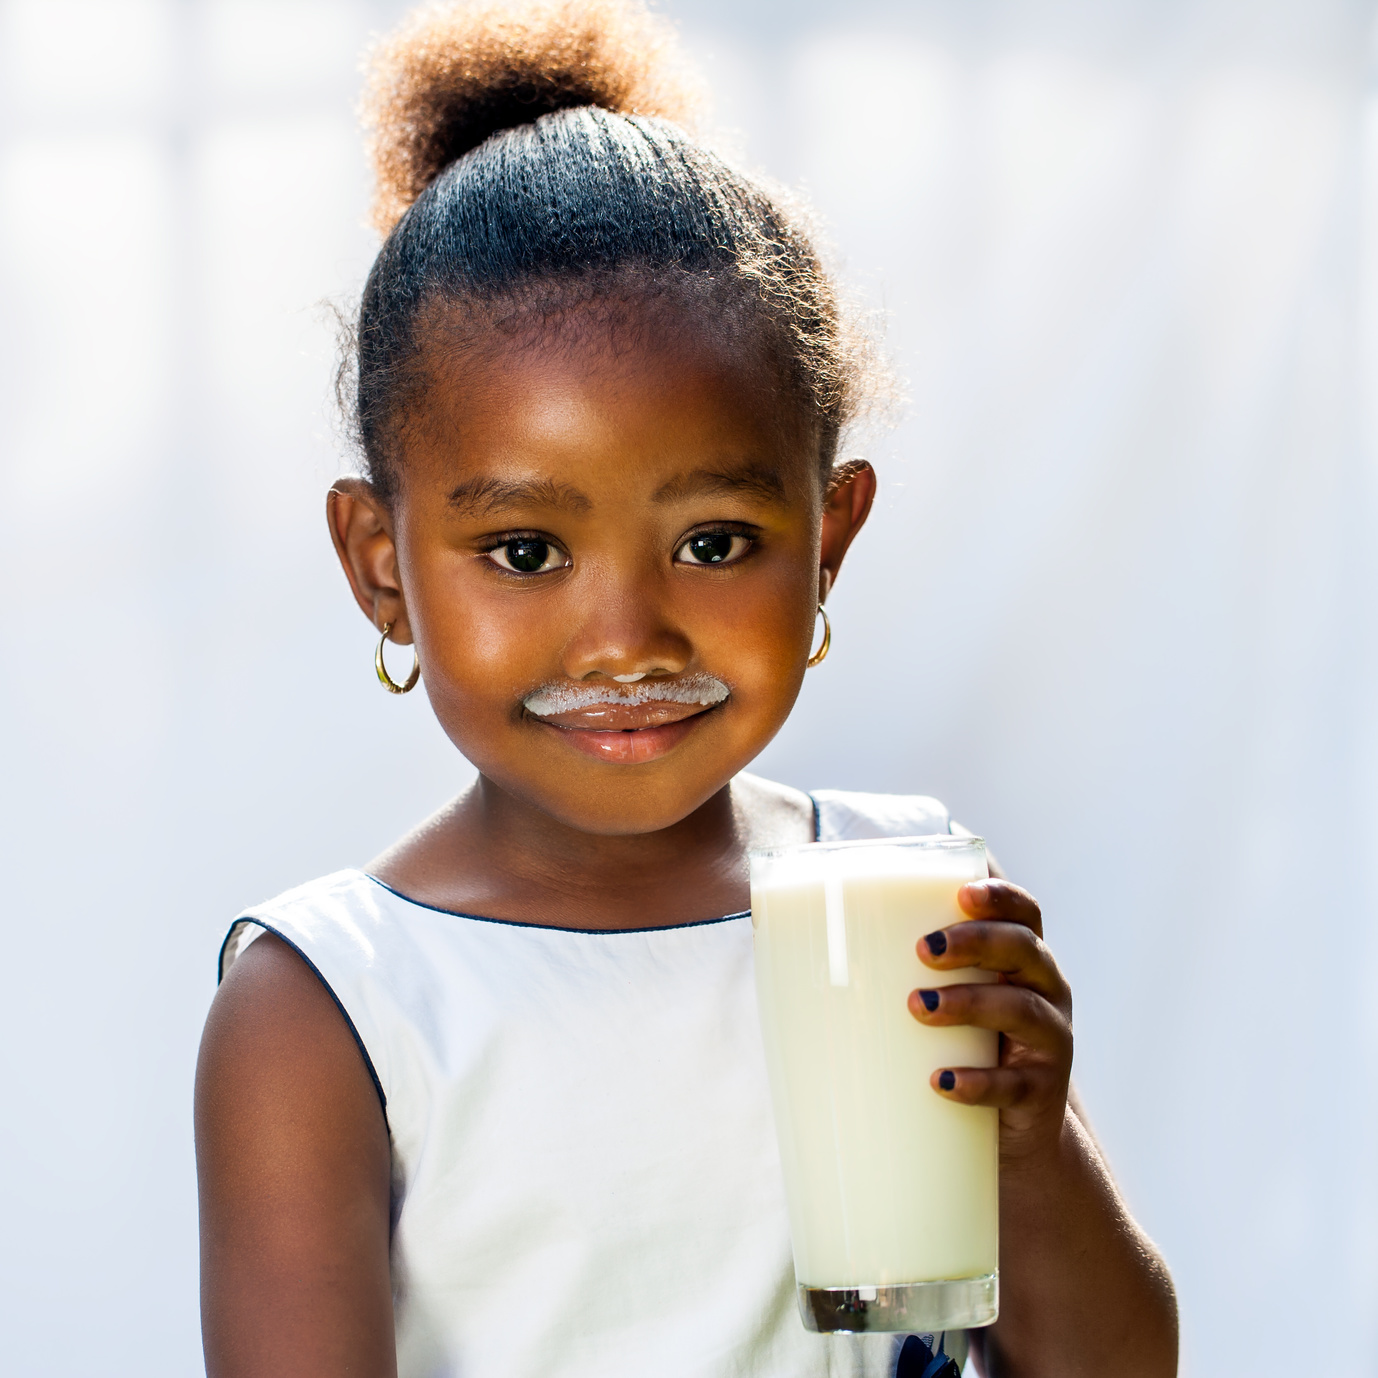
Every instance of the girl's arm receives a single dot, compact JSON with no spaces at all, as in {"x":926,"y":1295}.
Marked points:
{"x":1082,"y":1290}
{"x":293,"y":1161}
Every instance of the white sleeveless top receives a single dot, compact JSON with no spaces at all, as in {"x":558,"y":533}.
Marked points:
{"x":584,"y":1153}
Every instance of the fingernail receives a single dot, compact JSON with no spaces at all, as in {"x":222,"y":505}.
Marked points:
{"x":937,"y":943}
{"x":947,"y":1080}
{"x":930,"y":999}
{"x":979,"y":890}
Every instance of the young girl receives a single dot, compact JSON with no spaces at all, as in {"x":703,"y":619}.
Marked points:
{"x":496,"y":1104}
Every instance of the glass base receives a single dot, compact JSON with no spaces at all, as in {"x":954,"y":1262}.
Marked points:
{"x":909,"y":1307}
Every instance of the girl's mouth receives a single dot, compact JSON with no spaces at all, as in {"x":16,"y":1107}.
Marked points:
{"x":627,"y":734}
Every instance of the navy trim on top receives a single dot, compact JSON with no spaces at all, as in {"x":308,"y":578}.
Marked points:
{"x":339,"y":1005}
{"x":550,"y":927}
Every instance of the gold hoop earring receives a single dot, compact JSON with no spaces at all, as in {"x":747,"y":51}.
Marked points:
{"x":821,"y":654}
{"x":385,"y":679}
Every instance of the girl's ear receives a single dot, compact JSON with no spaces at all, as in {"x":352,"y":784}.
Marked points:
{"x":361,"y":528}
{"x":846,"y":505}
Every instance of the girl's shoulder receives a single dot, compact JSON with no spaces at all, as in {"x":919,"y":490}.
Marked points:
{"x":848,"y":815}
{"x":781,"y":814}
{"x":349,"y":905}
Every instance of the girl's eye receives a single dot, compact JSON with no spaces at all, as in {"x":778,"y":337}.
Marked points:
{"x":528,"y":555}
{"x":713,"y":548}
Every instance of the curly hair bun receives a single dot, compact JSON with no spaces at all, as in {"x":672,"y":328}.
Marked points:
{"x":453,"y":76}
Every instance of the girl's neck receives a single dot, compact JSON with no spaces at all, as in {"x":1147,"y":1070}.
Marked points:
{"x":492,"y":854}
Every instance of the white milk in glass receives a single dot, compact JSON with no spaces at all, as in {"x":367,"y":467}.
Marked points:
{"x":892,"y":1190}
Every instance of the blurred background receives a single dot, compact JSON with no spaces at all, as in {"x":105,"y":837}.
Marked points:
{"x":1118,"y":605}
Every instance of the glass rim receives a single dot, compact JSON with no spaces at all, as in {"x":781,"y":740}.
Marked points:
{"x":920,"y":842}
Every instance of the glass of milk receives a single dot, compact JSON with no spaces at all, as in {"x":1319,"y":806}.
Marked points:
{"x":892,"y":1190}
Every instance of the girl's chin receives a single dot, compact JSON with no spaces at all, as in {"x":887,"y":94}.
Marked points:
{"x":628,"y":748}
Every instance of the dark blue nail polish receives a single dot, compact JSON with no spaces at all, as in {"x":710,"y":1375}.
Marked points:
{"x":930,"y":999}
{"x":947,"y":1080}
{"x":937,"y":943}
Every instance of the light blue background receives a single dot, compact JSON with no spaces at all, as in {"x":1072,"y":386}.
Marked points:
{"x":1117,"y":606}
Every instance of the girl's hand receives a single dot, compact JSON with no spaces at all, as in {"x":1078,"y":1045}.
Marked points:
{"x":1030,"y":1007}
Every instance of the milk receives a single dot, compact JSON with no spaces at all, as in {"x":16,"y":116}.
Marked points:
{"x":887,"y":1183}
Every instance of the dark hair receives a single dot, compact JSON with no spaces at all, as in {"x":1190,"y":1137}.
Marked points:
{"x":526,"y":165}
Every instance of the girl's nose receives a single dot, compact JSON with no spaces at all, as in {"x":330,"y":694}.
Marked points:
{"x":627,"y":638}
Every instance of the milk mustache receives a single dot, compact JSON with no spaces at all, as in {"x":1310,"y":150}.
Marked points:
{"x":892,"y":1190}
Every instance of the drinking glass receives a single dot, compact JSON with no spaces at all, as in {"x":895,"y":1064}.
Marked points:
{"x":892,"y":1190}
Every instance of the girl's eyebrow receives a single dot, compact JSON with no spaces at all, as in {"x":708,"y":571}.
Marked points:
{"x":751,"y":479}
{"x":482,"y":496}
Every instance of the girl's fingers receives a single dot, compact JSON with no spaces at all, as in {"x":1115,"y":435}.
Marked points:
{"x":1030,"y":1006}
{"x":1015,"y":1011}
{"x":998,"y":899}
{"x":1011,"y":949}
{"x":1001,"y":1088}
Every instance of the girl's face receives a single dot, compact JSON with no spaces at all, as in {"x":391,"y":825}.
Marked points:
{"x":613,"y":509}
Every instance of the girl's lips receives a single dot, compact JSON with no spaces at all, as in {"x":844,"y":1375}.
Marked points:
{"x":631,"y":745}
{"x":624,"y":717}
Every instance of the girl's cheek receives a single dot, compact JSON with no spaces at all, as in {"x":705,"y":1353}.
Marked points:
{"x":485,"y":646}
